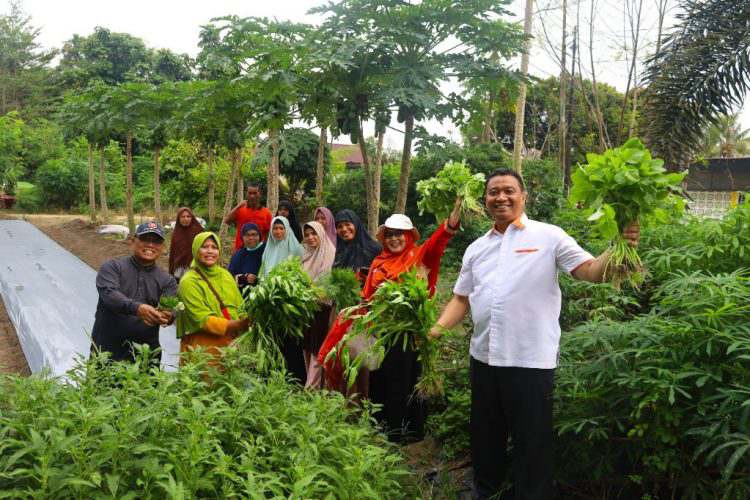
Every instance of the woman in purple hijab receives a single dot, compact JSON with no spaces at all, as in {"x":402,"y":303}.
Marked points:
{"x":325,"y":217}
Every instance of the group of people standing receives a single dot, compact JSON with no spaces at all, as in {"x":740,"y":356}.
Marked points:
{"x":212,"y":295}
{"x":508,"y":282}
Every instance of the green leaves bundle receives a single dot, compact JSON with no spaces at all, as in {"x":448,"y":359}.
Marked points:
{"x":619,"y":188}
{"x":342,"y":287}
{"x":400,"y":316}
{"x":438,"y":194}
{"x":171,"y":303}
{"x":282,"y":305}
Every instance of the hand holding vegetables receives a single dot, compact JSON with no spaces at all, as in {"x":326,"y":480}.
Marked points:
{"x":455,"y":180}
{"x":619,"y":188}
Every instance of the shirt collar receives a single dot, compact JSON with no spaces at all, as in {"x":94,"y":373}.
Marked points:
{"x":519,"y":223}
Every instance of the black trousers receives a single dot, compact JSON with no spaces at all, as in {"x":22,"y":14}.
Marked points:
{"x":517,"y":403}
{"x":403,"y":413}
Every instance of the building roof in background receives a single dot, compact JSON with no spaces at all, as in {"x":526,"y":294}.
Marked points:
{"x":347,"y":153}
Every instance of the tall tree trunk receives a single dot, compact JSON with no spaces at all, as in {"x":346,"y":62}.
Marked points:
{"x":632,"y":128}
{"x":272,"y":196}
{"x":157,"y":185}
{"x":240,"y":183}
{"x":563,"y":129}
{"x":320,"y":167}
{"x":129,"y":182}
{"x":92,"y":184}
{"x":603,"y":139}
{"x":403,"y":181}
{"x":211,"y":184}
{"x":635,"y":30}
{"x":372,"y":206}
{"x":376,"y":176}
{"x":102,"y":186}
{"x":521,"y":102}
{"x":571,"y":102}
{"x":233,"y":174}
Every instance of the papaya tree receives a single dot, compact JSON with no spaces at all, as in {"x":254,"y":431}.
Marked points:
{"x":125,"y":105}
{"x":269,"y":57}
{"x":424,"y":44}
{"x":156,"y":114}
{"x":194,"y":118}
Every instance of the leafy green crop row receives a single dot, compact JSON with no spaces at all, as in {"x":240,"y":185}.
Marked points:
{"x":117,"y":431}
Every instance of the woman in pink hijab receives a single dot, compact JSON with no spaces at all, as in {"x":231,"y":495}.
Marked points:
{"x":317,"y":261}
{"x":326,"y":219}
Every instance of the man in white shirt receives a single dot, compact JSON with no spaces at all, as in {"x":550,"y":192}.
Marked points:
{"x":508,"y":281}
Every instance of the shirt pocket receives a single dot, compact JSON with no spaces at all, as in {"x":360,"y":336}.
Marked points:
{"x":526,"y":251}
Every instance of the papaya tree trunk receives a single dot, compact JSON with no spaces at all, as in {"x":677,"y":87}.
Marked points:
{"x":320,"y":167}
{"x":236,"y":158}
{"x":273,"y":173}
{"x":372,"y":206}
{"x":92,"y":184}
{"x":157,"y":185}
{"x":102,"y":186}
{"x":129,"y":182}
{"x":240,"y":185}
{"x":403,"y":181}
{"x":377,"y":175}
{"x":211,"y":185}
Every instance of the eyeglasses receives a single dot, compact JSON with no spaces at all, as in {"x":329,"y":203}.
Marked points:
{"x":392,"y":233}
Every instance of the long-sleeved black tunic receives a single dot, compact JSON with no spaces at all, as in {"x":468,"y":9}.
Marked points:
{"x":124,"y":284}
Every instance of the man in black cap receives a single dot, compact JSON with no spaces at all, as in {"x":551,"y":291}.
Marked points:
{"x":129,"y":291}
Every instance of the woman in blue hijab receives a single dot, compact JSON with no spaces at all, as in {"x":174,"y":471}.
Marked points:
{"x":246,"y":261}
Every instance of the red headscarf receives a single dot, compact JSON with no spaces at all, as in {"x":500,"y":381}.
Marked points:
{"x":180,"y":250}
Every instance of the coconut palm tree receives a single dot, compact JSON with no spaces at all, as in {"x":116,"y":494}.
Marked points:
{"x":726,"y":138}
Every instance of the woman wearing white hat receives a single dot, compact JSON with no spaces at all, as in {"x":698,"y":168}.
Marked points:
{"x":392,"y":386}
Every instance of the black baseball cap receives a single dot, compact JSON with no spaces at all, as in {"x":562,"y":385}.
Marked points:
{"x":149,"y":227}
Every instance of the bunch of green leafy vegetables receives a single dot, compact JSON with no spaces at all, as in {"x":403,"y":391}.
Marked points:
{"x":342,"y":287}
{"x":171,"y":303}
{"x":620,"y":187}
{"x":438,"y":194}
{"x":282,"y":304}
{"x":399,"y":316}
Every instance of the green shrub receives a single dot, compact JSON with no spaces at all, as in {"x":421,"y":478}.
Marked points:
{"x":63,"y":182}
{"x":117,"y":431}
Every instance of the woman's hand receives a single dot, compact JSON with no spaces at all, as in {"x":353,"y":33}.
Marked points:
{"x":251,"y":278}
{"x":454,"y":220}
{"x":236,"y":327}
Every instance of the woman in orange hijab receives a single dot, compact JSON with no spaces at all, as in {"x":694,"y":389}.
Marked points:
{"x":392,"y":385}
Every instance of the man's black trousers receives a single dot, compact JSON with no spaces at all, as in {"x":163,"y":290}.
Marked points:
{"x":517,"y":403}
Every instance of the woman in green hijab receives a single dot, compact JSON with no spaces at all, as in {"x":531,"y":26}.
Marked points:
{"x":211,"y":298}
{"x":281,"y":245}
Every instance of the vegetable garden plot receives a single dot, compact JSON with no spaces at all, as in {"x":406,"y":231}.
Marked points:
{"x":51,"y":298}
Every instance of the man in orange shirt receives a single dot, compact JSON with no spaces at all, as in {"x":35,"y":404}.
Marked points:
{"x":250,"y":210}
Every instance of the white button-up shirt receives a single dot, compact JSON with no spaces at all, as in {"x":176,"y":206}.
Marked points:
{"x":511,"y":282}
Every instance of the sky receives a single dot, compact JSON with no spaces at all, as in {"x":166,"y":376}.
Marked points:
{"x":175,"y":24}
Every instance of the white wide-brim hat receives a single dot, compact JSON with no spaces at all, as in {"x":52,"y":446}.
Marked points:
{"x":397,"y":221}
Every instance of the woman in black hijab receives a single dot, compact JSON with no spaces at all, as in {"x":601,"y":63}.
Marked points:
{"x":355,"y":248}
{"x":286,"y":209}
